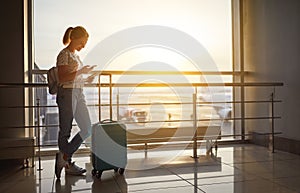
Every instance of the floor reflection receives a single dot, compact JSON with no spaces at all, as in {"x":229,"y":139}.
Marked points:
{"x":68,"y":184}
{"x":115,"y":185}
{"x":65,"y":186}
{"x":236,"y":169}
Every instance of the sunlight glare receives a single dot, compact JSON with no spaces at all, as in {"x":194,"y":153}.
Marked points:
{"x":140,"y":55}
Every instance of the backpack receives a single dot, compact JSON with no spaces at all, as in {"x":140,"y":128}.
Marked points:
{"x":52,"y":78}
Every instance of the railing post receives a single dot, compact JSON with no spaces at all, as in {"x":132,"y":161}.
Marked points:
{"x":38,"y":134}
{"x":99,"y":97}
{"x":118,"y":105}
{"x":242,"y":67}
{"x":272,"y":122}
{"x":110,"y":96}
{"x":195,"y":125}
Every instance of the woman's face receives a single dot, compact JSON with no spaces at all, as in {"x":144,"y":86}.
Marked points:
{"x":79,"y":43}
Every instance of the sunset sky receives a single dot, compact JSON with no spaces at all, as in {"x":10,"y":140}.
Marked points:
{"x":208,"y":21}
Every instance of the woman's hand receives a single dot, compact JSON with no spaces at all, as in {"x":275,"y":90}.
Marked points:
{"x":86,"y":69}
{"x":90,"y":79}
{"x":69,"y":72}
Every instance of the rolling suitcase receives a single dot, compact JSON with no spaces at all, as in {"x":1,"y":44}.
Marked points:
{"x":109,"y":147}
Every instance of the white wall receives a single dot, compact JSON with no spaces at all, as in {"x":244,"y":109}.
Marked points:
{"x":272,"y":49}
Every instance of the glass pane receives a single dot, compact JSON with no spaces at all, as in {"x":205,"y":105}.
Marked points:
{"x":208,"y":22}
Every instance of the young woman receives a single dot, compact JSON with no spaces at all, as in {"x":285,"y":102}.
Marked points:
{"x":71,"y":101}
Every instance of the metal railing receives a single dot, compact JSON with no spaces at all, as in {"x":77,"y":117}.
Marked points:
{"x":195,"y":103}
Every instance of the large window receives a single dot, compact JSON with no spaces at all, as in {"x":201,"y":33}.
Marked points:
{"x":209,"y":22}
{"x":206,"y":24}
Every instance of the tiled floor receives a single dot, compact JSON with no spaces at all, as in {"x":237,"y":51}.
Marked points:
{"x":235,"y":169}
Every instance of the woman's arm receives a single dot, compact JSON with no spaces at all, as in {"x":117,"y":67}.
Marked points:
{"x":69,"y":72}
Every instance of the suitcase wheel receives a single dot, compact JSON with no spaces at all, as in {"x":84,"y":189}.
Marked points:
{"x":99,"y":174}
{"x":116,"y":169}
{"x":96,"y":173}
{"x":121,"y":171}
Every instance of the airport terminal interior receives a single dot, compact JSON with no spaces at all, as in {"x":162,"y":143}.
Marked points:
{"x":196,"y":96}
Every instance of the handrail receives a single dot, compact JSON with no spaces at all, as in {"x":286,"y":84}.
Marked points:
{"x":116,"y":72}
{"x":145,"y":122}
{"x":246,"y":84}
{"x":163,"y":103}
{"x":155,"y":72}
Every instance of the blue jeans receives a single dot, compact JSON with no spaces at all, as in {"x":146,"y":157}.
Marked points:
{"x":71,"y":104}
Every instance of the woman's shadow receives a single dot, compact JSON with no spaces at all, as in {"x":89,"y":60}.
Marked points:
{"x":110,"y":183}
{"x":66,"y":185}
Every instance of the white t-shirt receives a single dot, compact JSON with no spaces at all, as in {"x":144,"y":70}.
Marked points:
{"x":65,"y":57}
